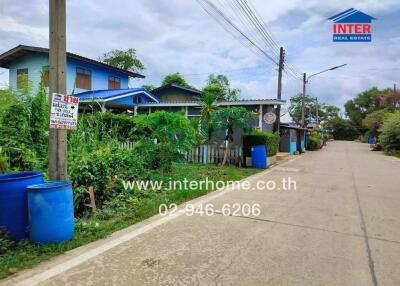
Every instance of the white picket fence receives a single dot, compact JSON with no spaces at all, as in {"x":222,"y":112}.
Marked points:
{"x":213,"y":154}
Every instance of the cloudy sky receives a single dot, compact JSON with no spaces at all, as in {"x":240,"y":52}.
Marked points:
{"x":177,"y":35}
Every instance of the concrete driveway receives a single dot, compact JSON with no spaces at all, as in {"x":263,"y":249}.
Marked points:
{"x":341,"y":226}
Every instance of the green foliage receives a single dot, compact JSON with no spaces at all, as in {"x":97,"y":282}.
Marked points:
{"x":315,"y":141}
{"x":341,"y":129}
{"x":230,"y":118}
{"x":325,"y":111}
{"x":104,"y":169}
{"x":23,"y":131}
{"x":374,"y":120}
{"x":148,"y":87}
{"x":6,"y":242}
{"x":390,"y":136}
{"x":7,"y":98}
{"x":123,"y":59}
{"x":271,"y":140}
{"x":207,"y":103}
{"x":220,"y":86}
{"x":364,"y":103}
{"x":173,"y":133}
{"x":175,"y":78}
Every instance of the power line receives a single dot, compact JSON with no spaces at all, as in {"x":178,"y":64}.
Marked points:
{"x":226,"y":19}
{"x":228,"y":28}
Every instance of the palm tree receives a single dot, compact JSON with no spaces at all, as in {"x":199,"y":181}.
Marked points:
{"x":207,"y":103}
{"x":228,"y":119}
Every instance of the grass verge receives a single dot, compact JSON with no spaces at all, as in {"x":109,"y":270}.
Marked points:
{"x":125,"y":210}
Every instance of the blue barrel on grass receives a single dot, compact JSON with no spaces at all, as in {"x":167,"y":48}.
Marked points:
{"x":259,"y":156}
{"x":14,"y":201}
{"x":51,"y":212}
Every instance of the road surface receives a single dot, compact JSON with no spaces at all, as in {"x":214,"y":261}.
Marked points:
{"x":341,"y":226}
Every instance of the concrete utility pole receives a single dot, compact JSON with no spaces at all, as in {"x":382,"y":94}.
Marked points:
{"x":279,"y":96}
{"x":57,"y":83}
{"x":317,"y":111}
{"x":303,"y":98}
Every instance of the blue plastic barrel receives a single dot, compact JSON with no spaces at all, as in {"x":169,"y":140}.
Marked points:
{"x":259,"y":156}
{"x":51,"y":212}
{"x":371,"y":140}
{"x":13,"y":201}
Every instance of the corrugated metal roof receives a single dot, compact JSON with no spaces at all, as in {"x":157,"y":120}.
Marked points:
{"x":107,"y":94}
{"x":174,"y":85}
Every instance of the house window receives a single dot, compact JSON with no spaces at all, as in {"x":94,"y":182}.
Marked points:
{"x":114,"y":82}
{"x":22,"y":78}
{"x":83,"y":79}
{"x":45,"y":76}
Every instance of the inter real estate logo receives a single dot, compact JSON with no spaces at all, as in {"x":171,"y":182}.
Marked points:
{"x":352,"y":26}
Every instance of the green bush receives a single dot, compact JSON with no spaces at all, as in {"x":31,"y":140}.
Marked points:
{"x":6,"y":242}
{"x":166,"y":136}
{"x":315,"y":141}
{"x":104,"y":168}
{"x":390,"y":136}
{"x":271,"y":140}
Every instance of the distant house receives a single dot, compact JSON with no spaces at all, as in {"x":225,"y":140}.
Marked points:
{"x":31,"y":64}
{"x":174,"y":92}
{"x":293,"y":138}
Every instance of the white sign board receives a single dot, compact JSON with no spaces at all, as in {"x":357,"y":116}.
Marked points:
{"x":269,"y":117}
{"x":64,"y":111}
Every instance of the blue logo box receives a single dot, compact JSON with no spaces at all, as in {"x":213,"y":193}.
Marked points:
{"x":352,"y":37}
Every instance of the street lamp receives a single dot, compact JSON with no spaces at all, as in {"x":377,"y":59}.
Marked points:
{"x":305,"y":81}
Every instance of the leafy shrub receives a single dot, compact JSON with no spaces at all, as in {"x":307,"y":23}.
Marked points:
{"x":166,"y":135}
{"x":390,"y":136}
{"x":23,"y":131}
{"x":271,"y":140}
{"x":5,"y":241}
{"x":315,"y":141}
{"x":104,"y":169}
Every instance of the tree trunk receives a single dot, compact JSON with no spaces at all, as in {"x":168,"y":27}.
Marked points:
{"x":226,"y":153}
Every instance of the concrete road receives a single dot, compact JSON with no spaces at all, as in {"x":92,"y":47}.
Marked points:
{"x":341,"y":226}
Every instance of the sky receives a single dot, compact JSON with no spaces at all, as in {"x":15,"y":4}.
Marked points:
{"x":179,"y":36}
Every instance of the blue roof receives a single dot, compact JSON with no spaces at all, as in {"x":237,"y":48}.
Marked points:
{"x":352,"y":16}
{"x":107,"y":94}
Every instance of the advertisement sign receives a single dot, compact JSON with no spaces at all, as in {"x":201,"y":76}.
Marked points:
{"x":352,"y":26}
{"x":64,"y":111}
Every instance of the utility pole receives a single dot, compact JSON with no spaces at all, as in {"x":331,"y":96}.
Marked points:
{"x":57,"y":83}
{"x":317,"y":111}
{"x":279,"y":96}
{"x":303,"y":98}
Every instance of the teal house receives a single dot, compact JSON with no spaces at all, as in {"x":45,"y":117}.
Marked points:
{"x":30,"y":65}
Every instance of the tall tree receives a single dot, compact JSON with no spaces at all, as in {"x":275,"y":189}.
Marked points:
{"x":123,"y":59}
{"x":365,"y":102}
{"x":226,"y":92}
{"x":175,"y":78}
{"x":325,"y":111}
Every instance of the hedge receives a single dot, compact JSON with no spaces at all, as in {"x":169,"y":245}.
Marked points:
{"x":271,"y":140}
